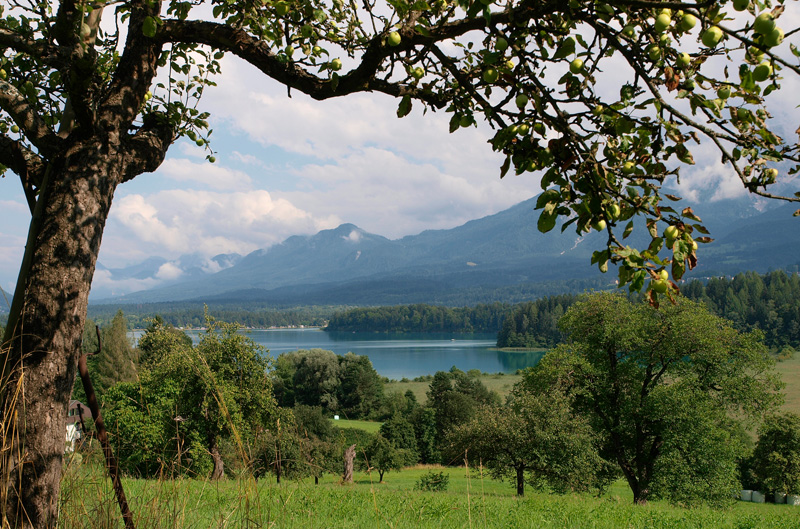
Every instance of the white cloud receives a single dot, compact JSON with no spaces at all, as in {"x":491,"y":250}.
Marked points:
{"x":174,"y":222}
{"x":211,"y":175}
{"x":353,"y":237}
{"x":168,"y":272}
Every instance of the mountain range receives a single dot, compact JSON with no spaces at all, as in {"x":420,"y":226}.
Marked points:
{"x":482,"y":259}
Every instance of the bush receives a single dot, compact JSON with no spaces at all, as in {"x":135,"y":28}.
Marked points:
{"x":433,"y":481}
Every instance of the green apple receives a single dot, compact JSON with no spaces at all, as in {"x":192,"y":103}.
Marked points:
{"x":576,"y":66}
{"x":521,"y":101}
{"x":666,"y":11}
{"x":336,"y":64}
{"x":663,"y":274}
{"x":671,"y":232}
{"x":3,"y":74}
{"x":684,"y":60}
{"x":599,"y":225}
{"x":770,"y":175}
{"x":509,"y":64}
{"x":762,"y":71}
{"x":628,"y":167}
{"x":689,"y":84}
{"x":629,"y":31}
{"x":316,"y":50}
{"x":465,"y":120}
{"x":148,"y":95}
{"x":501,"y":44}
{"x":764,"y":23}
{"x":539,"y":128}
{"x":418,"y":72}
{"x":662,"y":22}
{"x":490,"y":75}
{"x":724,"y":92}
{"x":659,"y":285}
{"x":14,"y":129}
{"x":393,"y":39}
{"x":598,"y":110}
{"x":754,"y":55}
{"x":743,"y":114}
{"x":774,"y":38}
{"x":741,"y":5}
{"x":688,"y":21}
{"x":212,"y":159}
{"x":281,"y":8}
{"x":712,"y":36}
{"x":654,"y":52}
{"x":613,"y":210}
{"x":199,"y":142}
{"x":523,"y":128}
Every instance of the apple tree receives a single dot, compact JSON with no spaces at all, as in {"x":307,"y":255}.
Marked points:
{"x":604,"y":99}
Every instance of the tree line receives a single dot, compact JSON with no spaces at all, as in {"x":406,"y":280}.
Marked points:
{"x":769,"y":303}
{"x":483,"y":318}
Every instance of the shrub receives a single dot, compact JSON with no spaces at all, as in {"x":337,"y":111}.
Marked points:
{"x":433,"y":481}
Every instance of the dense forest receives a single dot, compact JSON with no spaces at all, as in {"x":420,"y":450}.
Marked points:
{"x":421,"y":318}
{"x":192,"y":315}
{"x":770,"y":303}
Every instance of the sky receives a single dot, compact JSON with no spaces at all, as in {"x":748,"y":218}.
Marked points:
{"x":291,"y":166}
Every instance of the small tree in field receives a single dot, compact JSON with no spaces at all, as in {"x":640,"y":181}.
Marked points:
{"x":598,"y":98}
{"x":534,"y":438}
{"x":665,"y":389}
{"x":380,"y":454}
{"x":775,"y":463}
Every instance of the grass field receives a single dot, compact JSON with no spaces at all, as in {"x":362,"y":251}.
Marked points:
{"x":790,"y":371}
{"x":472,"y":500}
{"x":502,"y":384}
{"x":367,"y":426}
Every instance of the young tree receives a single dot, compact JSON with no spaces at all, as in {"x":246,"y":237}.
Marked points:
{"x":652,"y":381}
{"x":382,"y":455}
{"x":116,"y":362}
{"x":533,"y":434}
{"x":82,"y":111}
{"x":775,"y":463}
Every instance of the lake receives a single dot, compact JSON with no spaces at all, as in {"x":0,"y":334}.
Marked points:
{"x":400,"y":355}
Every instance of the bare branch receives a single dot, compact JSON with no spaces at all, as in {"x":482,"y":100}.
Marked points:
{"x":25,"y":116}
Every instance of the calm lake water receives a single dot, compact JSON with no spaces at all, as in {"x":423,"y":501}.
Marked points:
{"x":399,"y":355}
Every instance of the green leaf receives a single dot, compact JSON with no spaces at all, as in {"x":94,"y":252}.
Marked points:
{"x":551,"y":195}
{"x":566,"y":48}
{"x":628,"y":230}
{"x":149,"y":27}
{"x":405,"y":106}
{"x":547,"y":222}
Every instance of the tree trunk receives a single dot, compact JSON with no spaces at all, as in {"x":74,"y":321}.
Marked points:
{"x":219,"y":465}
{"x":349,"y":457}
{"x":520,"y":481}
{"x":380,"y":475}
{"x":45,"y":330}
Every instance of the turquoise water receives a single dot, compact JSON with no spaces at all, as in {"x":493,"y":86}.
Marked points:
{"x":400,"y":355}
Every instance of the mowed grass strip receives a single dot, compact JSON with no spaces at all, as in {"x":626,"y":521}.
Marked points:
{"x":367,"y":426}
{"x":470,"y":501}
{"x":500,"y":383}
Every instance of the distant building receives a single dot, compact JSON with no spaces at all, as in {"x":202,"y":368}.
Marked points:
{"x":74,"y":431}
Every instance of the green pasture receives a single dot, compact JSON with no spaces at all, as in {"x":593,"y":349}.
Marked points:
{"x":500,"y":383}
{"x":472,"y":500}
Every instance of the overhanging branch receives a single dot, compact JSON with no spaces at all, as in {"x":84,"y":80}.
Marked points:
{"x":25,"y":116}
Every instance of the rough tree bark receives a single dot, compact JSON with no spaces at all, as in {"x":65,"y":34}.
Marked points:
{"x":349,"y":458}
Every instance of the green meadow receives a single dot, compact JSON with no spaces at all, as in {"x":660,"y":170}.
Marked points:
{"x":472,"y":500}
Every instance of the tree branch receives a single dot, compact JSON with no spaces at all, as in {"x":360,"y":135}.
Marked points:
{"x":24,"y":162}
{"x":362,"y":78}
{"x":35,"y":48}
{"x":146,"y":149}
{"x":25,"y":116}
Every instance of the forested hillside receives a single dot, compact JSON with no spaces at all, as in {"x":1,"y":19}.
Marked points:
{"x":421,"y":318}
{"x":751,"y":301}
